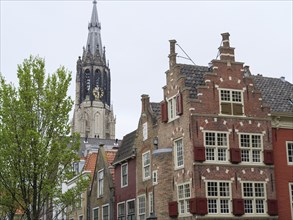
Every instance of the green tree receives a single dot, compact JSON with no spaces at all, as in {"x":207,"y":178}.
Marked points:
{"x":36,"y":149}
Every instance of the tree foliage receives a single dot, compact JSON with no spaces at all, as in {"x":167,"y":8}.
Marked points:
{"x":36,"y":149}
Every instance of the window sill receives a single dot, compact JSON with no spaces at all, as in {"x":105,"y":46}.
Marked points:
{"x":146,"y":179}
{"x":178,"y":168}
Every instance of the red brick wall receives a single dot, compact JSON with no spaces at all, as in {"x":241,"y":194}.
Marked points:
{"x":284,"y":172}
{"x":128,"y":192}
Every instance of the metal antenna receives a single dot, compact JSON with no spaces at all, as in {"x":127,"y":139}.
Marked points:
{"x":185,"y":54}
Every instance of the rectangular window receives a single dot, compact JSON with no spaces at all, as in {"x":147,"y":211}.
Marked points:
{"x":179,"y":154}
{"x":141,"y":207}
{"x":254,"y":197}
{"x":105,"y":212}
{"x":124,"y":175}
{"x":121,"y":211}
{"x":172,"y":108}
{"x":183,"y":193}
{"x":131,"y":210}
{"x":100,"y":183}
{"x":216,"y":144}
{"x":80,"y":217}
{"x":155,"y":177}
{"x":231,"y":102}
{"x":251,"y":148}
{"x":151,"y":203}
{"x":146,"y":161}
{"x":96,"y":214}
{"x":290,"y":152}
{"x":219,"y":197}
{"x":291,"y":197}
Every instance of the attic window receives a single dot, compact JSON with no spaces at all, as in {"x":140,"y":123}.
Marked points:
{"x":231,"y":102}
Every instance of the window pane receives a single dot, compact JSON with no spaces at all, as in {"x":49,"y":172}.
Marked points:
{"x":236,"y":96}
{"x":212,"y":205}
{"x":210,"y":139}
{"x":256,"y":141}
{"x":290,"y":152}
{"x":212,"y":189}
{"x":179,"y":152}
{"x":244,"y":138}
{"x":224,"y":203}
{"x":225,"y":95}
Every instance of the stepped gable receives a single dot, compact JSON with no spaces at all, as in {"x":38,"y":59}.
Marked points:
{"x":276,"y":92}
{"x":126,"y":149}
{"x":194,"y":77}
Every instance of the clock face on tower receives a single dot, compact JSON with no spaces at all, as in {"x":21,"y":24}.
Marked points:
{"x":98,"y":93}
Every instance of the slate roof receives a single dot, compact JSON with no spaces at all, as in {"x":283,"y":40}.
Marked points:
{"x":275,"y":92}
{"x":156,"y":108}
{"x":194,"y":77}
{"x":91,"y":144}
{"x":126,"y":148}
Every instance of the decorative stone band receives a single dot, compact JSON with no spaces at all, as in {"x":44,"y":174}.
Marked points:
{"x":162,"y":150}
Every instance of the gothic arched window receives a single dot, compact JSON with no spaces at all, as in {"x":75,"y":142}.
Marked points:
{"x":87,"y":80}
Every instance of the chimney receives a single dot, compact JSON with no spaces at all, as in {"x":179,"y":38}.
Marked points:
{"x":226,"y":52}
{"x":283,"y":79}
{"x":247,"y":72}
{"x":145,"y":102}
{"x":172,"y":55}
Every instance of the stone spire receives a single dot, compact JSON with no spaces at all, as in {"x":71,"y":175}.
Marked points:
{"x":94,"y":42}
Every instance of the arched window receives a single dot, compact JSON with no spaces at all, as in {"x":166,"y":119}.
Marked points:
{"x":87,"y":81}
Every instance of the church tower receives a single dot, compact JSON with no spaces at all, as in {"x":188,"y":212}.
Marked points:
{"x":93,"y":114}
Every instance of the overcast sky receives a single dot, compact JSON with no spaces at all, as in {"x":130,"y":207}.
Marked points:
{"x":136,"y":35}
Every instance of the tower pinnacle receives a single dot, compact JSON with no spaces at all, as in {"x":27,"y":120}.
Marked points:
{"x":94,"y":42}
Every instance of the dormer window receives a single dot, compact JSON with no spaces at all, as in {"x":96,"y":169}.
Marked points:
{"x":231,"y":102}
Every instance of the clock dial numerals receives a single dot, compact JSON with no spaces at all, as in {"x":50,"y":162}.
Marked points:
{"x":98,"y":92}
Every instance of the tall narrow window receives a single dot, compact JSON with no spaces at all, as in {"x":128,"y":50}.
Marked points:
{"x":105,"y":213}
{"x":219,"y":197}
{"x":124,"y":175}
{"x":146,"y":161}
{"x":151,"y":203}
{"x":96,"y":214}
{"x":251,"y":147}
{"x":172,"y":108}
{"x":183,"y":193}
{"x":231,"y":102}
{"x":121,"y":211}
{"x":178,"y":154}
{"x":155,"y":177}
{"x":216,"y":144}
{"x":141,"y":207}
{"x":131,"y":210}
{"x":290,"y":153}
{"x":291,"y":197}
{"x":254,"y":197}
{"x":100,"y":183}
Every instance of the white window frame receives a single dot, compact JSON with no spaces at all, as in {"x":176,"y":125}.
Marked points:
{"x":171,"y":103}
{"x":291,"y":197}
{"x":139,"y":213}
{"x":145,"y":131}
{"x":146,"y":166}
{"x":220,"y":199}
{"x":155,"y":177}
{"x":108,"y":211}
{"x":184,"y":199}
{"x":94,"y":209}
{"x":151,"y":202}
{"x":178,"y":148}
{"x":287,"y":152}
{"x":216,"y":148}
{"x":254,"y":198}
{"x":122,"y":183}
{"x":127,"y":207}
{"x":100,"y":183}
{"x":250,"y":149}
{"x":231,"y":100}
{"x":118,"y":204}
